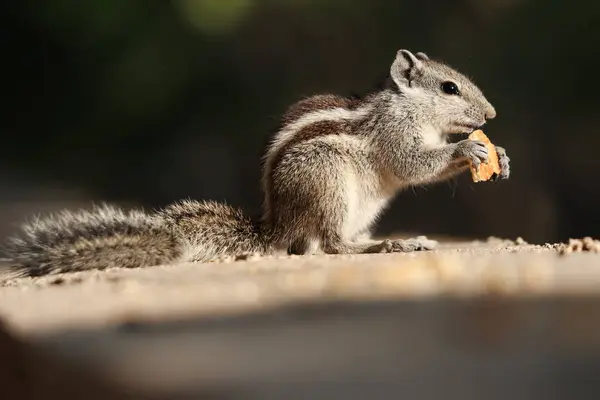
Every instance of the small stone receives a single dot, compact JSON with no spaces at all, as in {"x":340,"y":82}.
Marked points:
{"x":520,"y":242}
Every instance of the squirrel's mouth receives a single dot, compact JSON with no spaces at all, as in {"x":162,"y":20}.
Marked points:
{"x":464,"y":129}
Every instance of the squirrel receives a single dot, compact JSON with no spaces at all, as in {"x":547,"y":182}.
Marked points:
{"x":328,"y":173}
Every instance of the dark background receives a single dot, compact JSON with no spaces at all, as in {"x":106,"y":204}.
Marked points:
{"x":143,"y":102}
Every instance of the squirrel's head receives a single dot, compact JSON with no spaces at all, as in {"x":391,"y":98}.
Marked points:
{"x":455,"y":104}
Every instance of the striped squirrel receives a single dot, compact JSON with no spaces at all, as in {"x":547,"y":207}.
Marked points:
{"x":329,"y":172}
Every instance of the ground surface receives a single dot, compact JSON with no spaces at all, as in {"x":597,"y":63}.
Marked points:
{"x":330,"y":326}
{"x":101,"y":298}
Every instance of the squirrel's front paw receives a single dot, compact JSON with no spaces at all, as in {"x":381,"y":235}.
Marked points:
{"x":474,"y":150}
{"x":504,"y":162}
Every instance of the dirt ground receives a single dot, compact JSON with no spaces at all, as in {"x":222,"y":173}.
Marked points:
{"x":102,"y":298}
{"x":347,"y":327}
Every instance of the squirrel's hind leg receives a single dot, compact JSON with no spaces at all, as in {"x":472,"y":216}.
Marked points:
{"x":363,"y":243}
{"x":419,"y":243}
{"x":334,"y":244}
{"x":337,"y":246}
{"x":303,"y":246}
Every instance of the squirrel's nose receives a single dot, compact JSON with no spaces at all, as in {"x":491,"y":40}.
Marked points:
{"x":490,"y":113}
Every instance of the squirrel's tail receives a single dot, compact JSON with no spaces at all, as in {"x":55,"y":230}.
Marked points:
{"x":100,"y":238}
{"x":106,"y":237}
{"x":211,"y":230}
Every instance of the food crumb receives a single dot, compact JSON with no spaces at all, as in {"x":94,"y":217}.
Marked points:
{"x":587,"y":244}
{"x":520,"y":242}
{"x":493,"y":240}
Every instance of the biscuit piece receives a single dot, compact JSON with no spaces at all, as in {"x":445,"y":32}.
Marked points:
{"x":485,"y":171}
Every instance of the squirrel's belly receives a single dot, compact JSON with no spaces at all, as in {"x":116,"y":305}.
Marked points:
{"x":368,"y":213}
{"x":363,"y":207}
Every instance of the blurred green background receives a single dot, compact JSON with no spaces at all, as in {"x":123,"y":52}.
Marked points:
{"x":142,"y":102}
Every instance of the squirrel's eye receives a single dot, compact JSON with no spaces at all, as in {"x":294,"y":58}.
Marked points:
{"x":450,"y":88}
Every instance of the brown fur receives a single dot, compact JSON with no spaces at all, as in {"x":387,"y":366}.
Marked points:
{"x":318,"y":129}
{"x":314,"y":103}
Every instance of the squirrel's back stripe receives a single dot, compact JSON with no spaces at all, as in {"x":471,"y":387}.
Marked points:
{"x":331,"y":118}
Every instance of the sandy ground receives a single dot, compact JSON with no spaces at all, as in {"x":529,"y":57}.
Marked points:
{"x":495,"y":319}
{"x":103,"y":298}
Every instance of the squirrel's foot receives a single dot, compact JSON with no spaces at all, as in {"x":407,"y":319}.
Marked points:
{"x":244,"y":256}
{"x":419,"y":243}
{"x":504,"y":162}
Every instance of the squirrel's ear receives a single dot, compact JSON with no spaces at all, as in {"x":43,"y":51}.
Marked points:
{"x":405,"y":67}
{"x":422,"y":56}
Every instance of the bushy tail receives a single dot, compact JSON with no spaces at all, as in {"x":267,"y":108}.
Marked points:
{"x":100,"y":238}
{"x":210,"y":230}
{"x":107,"y":237}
